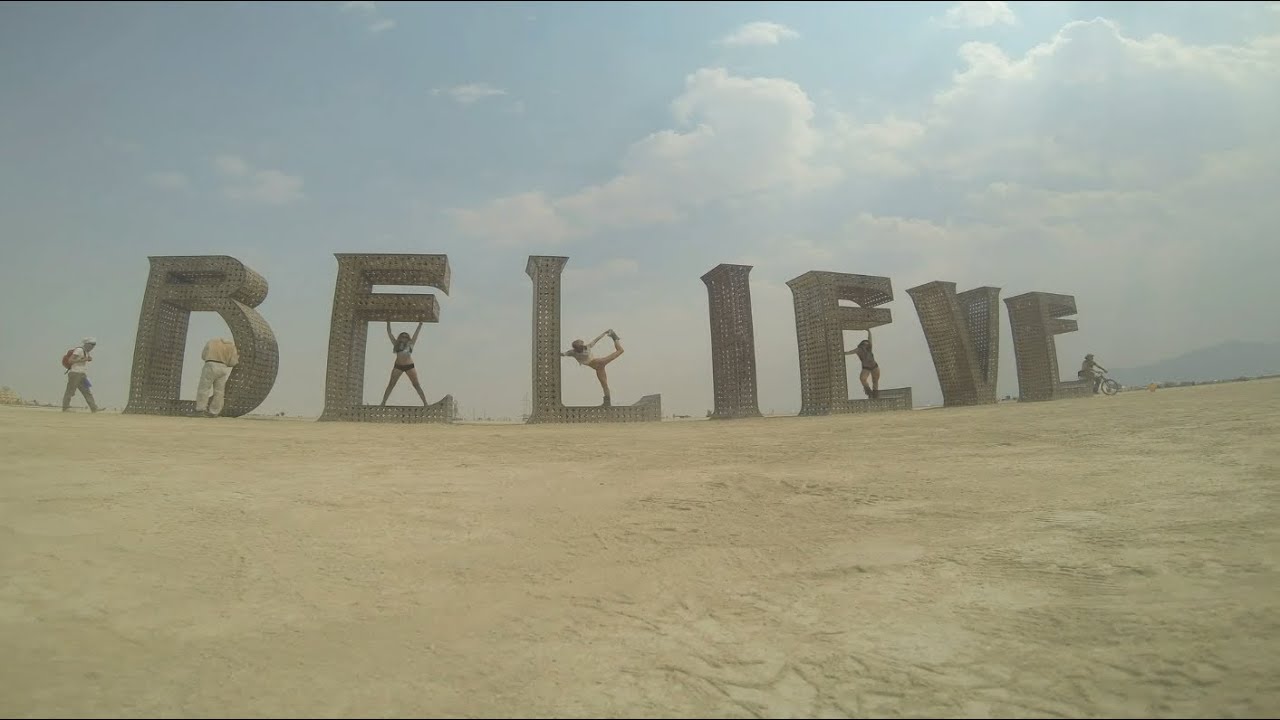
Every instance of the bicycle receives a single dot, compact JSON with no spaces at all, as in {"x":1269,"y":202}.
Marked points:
{"x":1105,"y":384}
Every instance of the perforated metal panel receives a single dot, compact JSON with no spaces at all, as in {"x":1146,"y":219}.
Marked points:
{"x":820,"y":325}
{"x":548,"y":405}
{"x":355,"y":305}
{"x":1034,"y":319}
{"x":176,"y":287}
{"x":963,"y":333}
{"x":733,"y":341}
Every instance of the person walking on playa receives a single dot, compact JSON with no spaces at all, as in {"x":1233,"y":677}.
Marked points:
{"x":75,"y":361}
{"x":402,"y":346}
{"x":870,"y":368}
{"x":581,"y":351}
{"x":220,"y":357}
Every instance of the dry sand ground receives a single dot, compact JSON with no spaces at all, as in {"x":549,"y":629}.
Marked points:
{"x":1102,"y":557}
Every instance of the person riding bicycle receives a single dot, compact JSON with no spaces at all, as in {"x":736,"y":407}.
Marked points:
{"x":1089,"y":371}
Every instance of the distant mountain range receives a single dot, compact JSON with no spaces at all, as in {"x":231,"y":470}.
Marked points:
{"x":1225,"y":361}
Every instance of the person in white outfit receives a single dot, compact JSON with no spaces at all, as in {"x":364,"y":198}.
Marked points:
{"x":76,"y":362}
{"x":220,"y":356}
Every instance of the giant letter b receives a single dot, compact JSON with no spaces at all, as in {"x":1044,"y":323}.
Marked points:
{"x":176,"y":287}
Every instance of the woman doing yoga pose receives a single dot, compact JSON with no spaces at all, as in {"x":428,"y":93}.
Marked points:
{"x":582,"y":353}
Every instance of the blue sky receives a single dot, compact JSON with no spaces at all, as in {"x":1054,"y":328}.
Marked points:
{"x":1121,"y":152}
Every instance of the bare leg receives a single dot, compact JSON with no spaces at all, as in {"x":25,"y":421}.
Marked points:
{"x":875,"y":382}
{"x":617,"y":352}
{"x":604,"y":382}
{"x":395,"y":376}
{"x":862,"y":377}
{"x":413,"y":378}
{"x":599,"y":364}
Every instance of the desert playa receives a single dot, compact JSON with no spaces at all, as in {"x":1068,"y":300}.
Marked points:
{"x":1108,"y":557}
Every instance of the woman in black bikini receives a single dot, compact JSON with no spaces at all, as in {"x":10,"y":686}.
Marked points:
{"x":402,"y":346}
{"x":870,"y":368}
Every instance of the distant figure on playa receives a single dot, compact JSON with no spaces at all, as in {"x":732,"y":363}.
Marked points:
{"x":582,"y":353}
{"x":1089,"y":371}
{"x":220,"y":356}
{"x":75,"y":361}
{"x":402,"y":346}
{"x":870,"y":368}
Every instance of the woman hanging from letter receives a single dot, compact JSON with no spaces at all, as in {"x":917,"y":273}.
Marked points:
{"x":402,"y":346}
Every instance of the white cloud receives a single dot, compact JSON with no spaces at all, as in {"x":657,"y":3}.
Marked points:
{"x":251,"y":185}
{"x":377,"y":24}
{"x":758,"y":33}
{"x":268,"y":187}
{"x":231,"y":165}
{"x":609,"y":272}
{"x":168,"y":180}
{"x":1133,"y":172}
{"x":979,"y":14}
{"x":736,"y":138}
{"x":525,"y":219}
{"x":1093,"y":107}
{"x":1079,"y":108}
{"x":875,"y":147}
{"x":470,"y":93}
{"x":125,"y":146}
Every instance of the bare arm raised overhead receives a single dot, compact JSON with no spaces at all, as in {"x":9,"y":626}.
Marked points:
{"x":855,"y":351}
{"x":599,"y":337}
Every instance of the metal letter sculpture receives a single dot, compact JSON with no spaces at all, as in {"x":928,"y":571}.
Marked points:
{"x":548,"y":405}
{"x":355,"y":305}
{"x":176,"y":287}
{"x":963,"y":332}
{"x":733,"y":341}
{"x":820,"y":325}
{"x":1034,"y":318}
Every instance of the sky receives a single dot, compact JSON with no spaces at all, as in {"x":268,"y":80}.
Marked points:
{"x":1123,"y":153}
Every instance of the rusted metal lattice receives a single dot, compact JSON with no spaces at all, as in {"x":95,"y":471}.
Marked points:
{"x":548,"y":405}
{"x":820,"y":325}
{"x":1034,"y":318}
{"x":963,"y":332}
{"x":176,"y":287}
{"x":733,"y":341}
{"x":355,"y":305}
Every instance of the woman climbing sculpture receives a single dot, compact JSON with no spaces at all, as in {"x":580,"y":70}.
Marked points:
{"x":870,"y":368}
{"x":581,"y":351}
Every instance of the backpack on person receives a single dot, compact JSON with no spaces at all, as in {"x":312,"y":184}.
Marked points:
{"x":69,"y":358}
